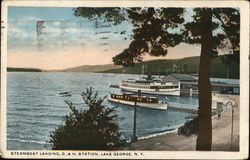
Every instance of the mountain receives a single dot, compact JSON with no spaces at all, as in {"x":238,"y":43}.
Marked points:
{"x":188,"y":65}
{"x":11,"y":69}
{"x":90,"y":68}
{"x":162,"y":66}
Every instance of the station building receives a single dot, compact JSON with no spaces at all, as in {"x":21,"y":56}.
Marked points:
{"x":189,"y":85}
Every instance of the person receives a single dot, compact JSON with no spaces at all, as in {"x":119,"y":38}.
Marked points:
{"x":219,"y":109}
{"x":219,"y":115}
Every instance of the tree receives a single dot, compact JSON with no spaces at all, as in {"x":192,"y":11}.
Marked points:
{"x":157,"y":29}
{"x":88,"y":129}
{"x":204,"y":139}
{"x":203,"y":30}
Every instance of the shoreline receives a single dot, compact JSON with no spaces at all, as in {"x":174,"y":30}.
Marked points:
{"x":171,"y":141}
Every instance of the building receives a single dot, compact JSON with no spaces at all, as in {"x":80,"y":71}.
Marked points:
{"x":176,"y":78}
{"x":189,"y":85}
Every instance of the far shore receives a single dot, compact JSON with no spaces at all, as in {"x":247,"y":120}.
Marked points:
{"x":171,"y":141}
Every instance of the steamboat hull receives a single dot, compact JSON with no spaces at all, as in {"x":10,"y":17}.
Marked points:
{"x":140,"y":104}
{"x":153,"y":92}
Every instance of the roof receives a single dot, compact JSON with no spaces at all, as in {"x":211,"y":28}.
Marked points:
{"x":183,"y":77}
{"x":214,"y":84}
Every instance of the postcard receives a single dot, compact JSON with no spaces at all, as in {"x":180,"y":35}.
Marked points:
{"x":124,"y":79}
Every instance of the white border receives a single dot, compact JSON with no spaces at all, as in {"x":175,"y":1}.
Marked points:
{"x":3,"y":78}
{"x":244,"y":76}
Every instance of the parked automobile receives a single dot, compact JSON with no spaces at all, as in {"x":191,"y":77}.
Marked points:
{"x":190,"y":127}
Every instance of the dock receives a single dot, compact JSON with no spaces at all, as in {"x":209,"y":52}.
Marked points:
{"x":188,"y":110}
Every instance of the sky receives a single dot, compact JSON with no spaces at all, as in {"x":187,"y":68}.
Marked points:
{"x":53,"y":38}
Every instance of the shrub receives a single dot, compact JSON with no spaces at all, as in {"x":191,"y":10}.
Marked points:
{"x":93,"y":128}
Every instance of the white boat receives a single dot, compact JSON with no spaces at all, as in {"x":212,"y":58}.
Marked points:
{"x":151,"y":86}
{"x":141,"y":101}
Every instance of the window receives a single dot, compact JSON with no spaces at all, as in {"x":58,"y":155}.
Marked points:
{"x":236,"y":90}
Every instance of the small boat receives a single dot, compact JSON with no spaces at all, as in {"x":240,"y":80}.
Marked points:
{"x":64,"y":94}
{"x":114,"y":86}
{"x":141,"y":101}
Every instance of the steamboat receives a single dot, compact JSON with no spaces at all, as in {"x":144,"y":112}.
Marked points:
{"x":141,"y":101}
{"x":151,"y":86}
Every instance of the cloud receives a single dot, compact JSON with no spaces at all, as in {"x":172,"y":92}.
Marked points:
{"x":77,"y":34}
{"x":17,"y":32}
{"x":19,"y":38}
{"x":23,"y":21}
{"x":31,"y":18}
{"x":73,"y":36}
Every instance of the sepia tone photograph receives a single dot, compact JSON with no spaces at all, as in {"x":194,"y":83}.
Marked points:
{"x":125,"y":80}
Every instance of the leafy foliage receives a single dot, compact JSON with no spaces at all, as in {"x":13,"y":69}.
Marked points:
{"x":90,"y":129}
{"x":157,"y":29}
{"x":153,"y":33}
{"x":226,"y":32}
{"x":230,"y":22}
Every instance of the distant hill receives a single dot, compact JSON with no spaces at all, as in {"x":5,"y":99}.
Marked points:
{"x":11,"y":69}
{"x":91,"y":68}
{"x":188,"y":65}
{"x":162,"y":66}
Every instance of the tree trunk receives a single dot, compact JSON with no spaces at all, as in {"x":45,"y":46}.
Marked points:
{"x":204,"y":139}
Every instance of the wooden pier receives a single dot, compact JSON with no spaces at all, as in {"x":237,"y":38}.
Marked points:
{"x":188,"y":110}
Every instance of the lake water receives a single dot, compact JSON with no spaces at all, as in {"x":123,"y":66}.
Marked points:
{"x":34,"y":109}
